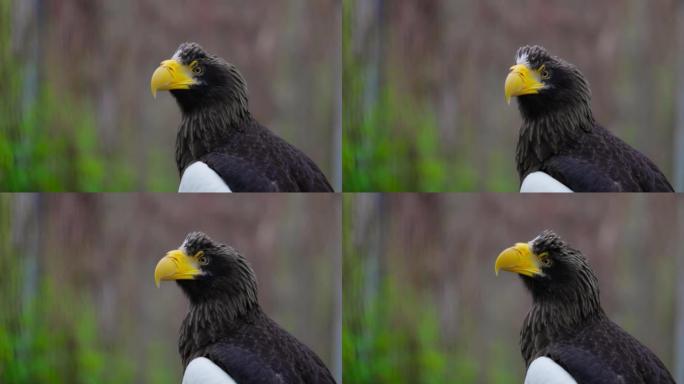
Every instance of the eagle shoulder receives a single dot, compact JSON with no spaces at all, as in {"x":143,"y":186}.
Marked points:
{"x":203,"y":371}
{"x":198,"y":177}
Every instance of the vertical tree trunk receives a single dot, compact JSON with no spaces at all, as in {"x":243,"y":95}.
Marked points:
{"x":679,"y":186}
{"x":679,"y":294}
{"x":679,"y":129}
{"x":337,"y":136}
{"x":337,"y":324}
{"x":26,"y":234}
{"x":26,"y":41}
{"x":367,"y":40}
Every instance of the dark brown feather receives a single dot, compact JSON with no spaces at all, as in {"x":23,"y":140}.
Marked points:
{"x":567,"y":324}
{"x":560,"y":137}
{"x":216,"y":120}
{"x":226,"y":324}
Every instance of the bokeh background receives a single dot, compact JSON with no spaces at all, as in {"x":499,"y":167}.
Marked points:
{"x":422,"y":303}
{"x":77,"y":113}
{"x":424,"y":108}
{"x":78,"y":299}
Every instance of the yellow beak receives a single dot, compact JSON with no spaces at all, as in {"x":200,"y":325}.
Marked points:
{"x":171,"y":75}
{"x":176,"y":265}
{"x":518,"y":259}
{"x":522,"y":81}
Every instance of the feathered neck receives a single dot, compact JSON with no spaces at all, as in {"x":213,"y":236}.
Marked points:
{"x":206,"y":324}
{"x":206,"y":128}
{"x":545,"y":135}
{"x":212,"y":316}
{"x":559,"y":312}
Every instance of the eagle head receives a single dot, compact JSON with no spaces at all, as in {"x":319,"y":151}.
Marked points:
{"x":198,"y":79}
{"x":207,"y":271}
{"x":550,"y":269}
{"x":545,"y":84}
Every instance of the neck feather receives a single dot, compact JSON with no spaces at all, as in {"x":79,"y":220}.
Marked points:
{"x":546,"y":135}
{"x":205,"y":129}
{"x":558,"y":314}
{"x":211,"y":320}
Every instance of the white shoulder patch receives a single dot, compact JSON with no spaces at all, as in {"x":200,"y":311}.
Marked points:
{"x":203,"y":371}
{"x":198,"y":177}
{"x":542,"y":182}
{"x":545,"y":371}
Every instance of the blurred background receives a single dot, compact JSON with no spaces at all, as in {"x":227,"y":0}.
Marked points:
{"x":77,"y":113}
{"x":77,"y":294}
{"x":423,"y":102}
{"x":422,"y":303}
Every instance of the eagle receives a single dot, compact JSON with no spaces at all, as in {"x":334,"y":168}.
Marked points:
{"x":226,"y":336}
{"x":220,"y":147}
{"x":561,"y":147}
{"x":567,"y":337}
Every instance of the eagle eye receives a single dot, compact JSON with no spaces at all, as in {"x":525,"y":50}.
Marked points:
{"x":201,"y":259}
{"x":545,"y":75}
{"x":196,"y":68}
{"x":545,"y":260}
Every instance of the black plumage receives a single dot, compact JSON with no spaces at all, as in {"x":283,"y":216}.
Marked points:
{"x":218,"y":129}
{"x":226,"y":324}
{"x":559,"y":135}
{"x":567,"y":323}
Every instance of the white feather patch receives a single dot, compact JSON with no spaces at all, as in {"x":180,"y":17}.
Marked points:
{"x":545,"y":371}
{"x":198,"y":177}
{"x":542,"y":182}
{"x":203,"y":371}
{"x":522,"y":59}
{"x":176,"y":56}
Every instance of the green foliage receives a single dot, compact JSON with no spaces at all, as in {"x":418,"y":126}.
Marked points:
{"x":392,"y":331}
{"x":53,"y":338}
{"x":396,"y":339}
{"x":393,"y":142}
{"x":382,"y":154}
{"x":392,"y":145}
{"x":50,"y":142}
{"x":395,"y":145}
{"x":391,"y":334}
{"x":35,"y":153}
{"x":39,"y":156}
{"x":49,"y":331}
{"x":53,"y":146}
{"x":159,"y":371}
